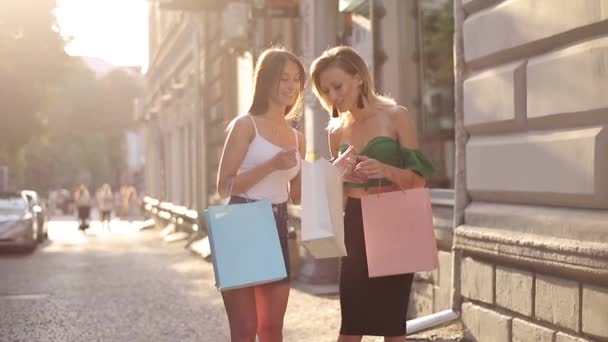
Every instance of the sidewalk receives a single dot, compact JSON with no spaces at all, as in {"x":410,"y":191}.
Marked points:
{"x":318,"y":306}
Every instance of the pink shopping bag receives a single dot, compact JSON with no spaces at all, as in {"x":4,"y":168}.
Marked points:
{"x":399,"y":234}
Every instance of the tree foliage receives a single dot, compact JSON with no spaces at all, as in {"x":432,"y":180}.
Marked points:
{"x":32,"y":61}
{"x":85,"y":137}
{"x":61,"y":124}
{"x":438,"y":42}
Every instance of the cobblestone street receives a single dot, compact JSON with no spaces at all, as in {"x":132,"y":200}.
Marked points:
{"x":129,"y":285}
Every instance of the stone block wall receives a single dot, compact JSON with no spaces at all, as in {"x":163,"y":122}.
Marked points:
{"x":534,"y":242}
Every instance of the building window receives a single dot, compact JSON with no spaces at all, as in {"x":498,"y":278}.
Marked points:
{"x":436,"y":127}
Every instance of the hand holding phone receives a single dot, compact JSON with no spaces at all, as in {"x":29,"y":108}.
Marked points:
{"x":285,"y":159}
{"x":346,"y":163}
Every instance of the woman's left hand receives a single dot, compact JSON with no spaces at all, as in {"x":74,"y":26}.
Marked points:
{"x":371,"y":168}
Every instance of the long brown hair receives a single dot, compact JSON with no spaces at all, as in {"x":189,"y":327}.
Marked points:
{"x":347,"y":59}
{"x":266,"y":78}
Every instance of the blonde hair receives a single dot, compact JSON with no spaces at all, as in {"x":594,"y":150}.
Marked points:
{"x":349,"y":61}
{"x":266,"y":77}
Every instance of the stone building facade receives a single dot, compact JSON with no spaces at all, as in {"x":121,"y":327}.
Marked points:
{"x":531,"y":234}
{"x":520,"y":133}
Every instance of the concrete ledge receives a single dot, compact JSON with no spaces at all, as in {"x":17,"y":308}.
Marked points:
{"x":176,"y":237}
{"x":567,"y":258}
{"x":167,"y":230}
{"x":565,"y":223}
{"x":442,"y":197}
{"x":201,"y":247}
{"x":471,"y":6}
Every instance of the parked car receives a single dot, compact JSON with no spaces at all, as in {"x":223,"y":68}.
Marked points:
{"x":18,"y":226}
{"x":38,"y":208}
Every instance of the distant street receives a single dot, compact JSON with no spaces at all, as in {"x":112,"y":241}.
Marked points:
{"x":127,"y":285}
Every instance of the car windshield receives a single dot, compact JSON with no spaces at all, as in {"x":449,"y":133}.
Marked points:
{"x":11,"y":205}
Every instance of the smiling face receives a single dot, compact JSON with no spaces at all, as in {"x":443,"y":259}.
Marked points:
{"x":288,"y":85}
{"x":339,"y":88}
{"x":278,"y":80}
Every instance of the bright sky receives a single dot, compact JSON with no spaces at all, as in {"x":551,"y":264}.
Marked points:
{"x":113,"y":30}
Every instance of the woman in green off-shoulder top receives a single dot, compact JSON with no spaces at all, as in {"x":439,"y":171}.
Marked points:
{"x":385,"y":158}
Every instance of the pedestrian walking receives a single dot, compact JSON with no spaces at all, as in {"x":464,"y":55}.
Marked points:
{"x":105,"y":204}
{"x":386,"y":158}
{"x":261,"y":160}
{"x":82,"y":198}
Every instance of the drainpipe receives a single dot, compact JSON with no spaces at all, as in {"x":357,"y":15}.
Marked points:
{"x":461,"y":199}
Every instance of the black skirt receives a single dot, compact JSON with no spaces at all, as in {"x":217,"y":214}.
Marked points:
{"x":280,"y":216}
{"x":369,"y":306}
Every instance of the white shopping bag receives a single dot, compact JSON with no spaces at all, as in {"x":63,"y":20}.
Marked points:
{"x":322,"y":210}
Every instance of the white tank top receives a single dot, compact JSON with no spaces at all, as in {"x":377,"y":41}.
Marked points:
{"x":273,"y":187}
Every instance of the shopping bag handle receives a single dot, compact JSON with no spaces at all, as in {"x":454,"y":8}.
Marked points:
{"x":403,"y":190}
{"x":230,"y":186}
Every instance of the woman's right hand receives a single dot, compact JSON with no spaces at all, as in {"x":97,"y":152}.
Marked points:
{"x":285,"y":159}
{"x":346,"y":166}
{"x":346,"y":163}
{"x":354,"y":177}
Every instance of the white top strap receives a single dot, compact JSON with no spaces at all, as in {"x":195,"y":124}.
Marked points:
{"x":255,"y":127}
{"x":295,"y":132}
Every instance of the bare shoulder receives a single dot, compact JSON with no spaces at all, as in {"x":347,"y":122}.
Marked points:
{"x":242,"y":124}
{"x":404,"y":125}
{"x":399,"y":114}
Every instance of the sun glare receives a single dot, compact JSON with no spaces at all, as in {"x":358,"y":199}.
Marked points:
{"x":113,"y":30}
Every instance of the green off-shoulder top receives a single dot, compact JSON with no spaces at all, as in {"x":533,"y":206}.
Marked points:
{"x":389,"y":151}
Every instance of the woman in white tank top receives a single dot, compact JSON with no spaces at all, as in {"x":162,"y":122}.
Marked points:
{"x":261,"y":160}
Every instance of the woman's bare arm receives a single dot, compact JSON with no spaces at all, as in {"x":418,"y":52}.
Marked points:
{"x":240,"y":135}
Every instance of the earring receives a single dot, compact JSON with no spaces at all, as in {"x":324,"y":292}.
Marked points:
{"x":334,"y":113}
{"x":360,"y":103}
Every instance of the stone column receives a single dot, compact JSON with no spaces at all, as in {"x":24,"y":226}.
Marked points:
{"x":396,"y":53}
{"x":319,"y":31}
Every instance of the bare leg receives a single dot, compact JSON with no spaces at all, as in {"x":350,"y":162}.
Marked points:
{"x":240,"y":308}
{"x":394,"y":338}
{"x":271,"y":303}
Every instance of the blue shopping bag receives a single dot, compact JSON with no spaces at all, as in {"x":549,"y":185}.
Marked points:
{"x":245,"y":245}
